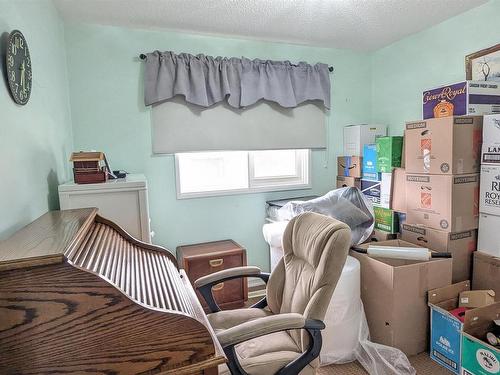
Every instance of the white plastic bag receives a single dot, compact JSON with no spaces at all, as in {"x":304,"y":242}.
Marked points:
{"x":347,"y":204}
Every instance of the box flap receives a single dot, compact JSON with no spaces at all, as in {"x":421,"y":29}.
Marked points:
{"x":448,"y":293}
{"x":478,"y":321}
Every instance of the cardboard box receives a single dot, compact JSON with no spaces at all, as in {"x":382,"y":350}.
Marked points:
{"x":476,"y":298}
{"x":386,"y":190}
{"x":486,"y":273}
{"x":444,"y":202}
{"x":463,"y":98}
{"x":372,"y":190}
{"x":398,"y":198}
{"x":401,"y":218}
{"x":461,"y":245}
{"x":446,"y":329}
{"x":375,"y":176}
{"x":356,"y":136}
{"x":489,"y":230}
{"x":379,"y":236}
{"x":491,"y":140}
{"x":386,"y":220}
{"x":389,"y":151}
{"x":343,"y":181}
{"x":478,"y":356}
{"x":489,"y":197}
{"x":394,"y":294}
{"x":450,"y":145}
{"x":370,"y":161}
{"x":379,"y":192}
{"x":349,"y":166}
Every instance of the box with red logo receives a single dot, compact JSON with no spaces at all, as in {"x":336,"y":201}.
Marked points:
{"x":448,"y":203}
{"x":449,"y":145}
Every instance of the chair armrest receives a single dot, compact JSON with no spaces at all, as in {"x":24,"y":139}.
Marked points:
{"x":260,"y":327}
{"x":213,"y":278}
{"x":204,"y":284}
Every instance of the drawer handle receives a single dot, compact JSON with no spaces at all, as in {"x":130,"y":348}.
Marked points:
{"x":218,"y":287}
{"x":216,"y":262}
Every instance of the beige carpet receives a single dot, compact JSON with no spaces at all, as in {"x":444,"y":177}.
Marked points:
{"x":422,"y":363}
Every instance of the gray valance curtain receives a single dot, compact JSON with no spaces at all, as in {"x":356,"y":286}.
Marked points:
{"x":205,"y":80}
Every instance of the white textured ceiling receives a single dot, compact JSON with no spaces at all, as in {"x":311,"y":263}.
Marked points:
{"x":352,"y":24}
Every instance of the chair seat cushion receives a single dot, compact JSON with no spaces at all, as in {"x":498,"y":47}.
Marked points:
{"x":263,"y":355}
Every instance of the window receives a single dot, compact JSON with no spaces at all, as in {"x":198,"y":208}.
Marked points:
{"x":202,"y":174}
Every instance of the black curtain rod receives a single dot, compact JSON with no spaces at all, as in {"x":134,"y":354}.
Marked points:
{"x":143,"y":57}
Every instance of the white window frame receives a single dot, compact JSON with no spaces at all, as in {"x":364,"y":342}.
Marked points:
{"x":300,"y":180}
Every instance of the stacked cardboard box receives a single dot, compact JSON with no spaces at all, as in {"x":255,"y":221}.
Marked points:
{"x":381,"y":166}
{"x":349,"y":166}
{"x":442,"y":187}
{"x":489,"y":202}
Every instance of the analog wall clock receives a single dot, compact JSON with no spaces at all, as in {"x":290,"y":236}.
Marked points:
{"x":18,"y":67}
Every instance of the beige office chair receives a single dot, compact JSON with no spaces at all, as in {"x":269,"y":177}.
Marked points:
{"x":284,"y":337}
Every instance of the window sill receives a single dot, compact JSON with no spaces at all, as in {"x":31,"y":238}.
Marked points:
{"x":252,"y":190}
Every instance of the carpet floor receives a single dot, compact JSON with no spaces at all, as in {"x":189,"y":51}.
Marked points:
{"x":421,"y":362}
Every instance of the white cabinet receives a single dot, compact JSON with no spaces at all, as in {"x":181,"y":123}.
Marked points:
{"x":124,"y":201}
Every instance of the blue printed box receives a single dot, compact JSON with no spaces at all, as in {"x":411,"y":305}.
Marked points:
{"x":463,"y":98}
{"x":372,"y":190}
{"x":370,"y":162}
{"x":446,"y":328}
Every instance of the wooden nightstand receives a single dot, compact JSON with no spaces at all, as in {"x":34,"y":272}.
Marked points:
{"x":205,"y":258}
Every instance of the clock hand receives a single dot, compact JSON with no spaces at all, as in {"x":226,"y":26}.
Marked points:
{"x":22,"y":76}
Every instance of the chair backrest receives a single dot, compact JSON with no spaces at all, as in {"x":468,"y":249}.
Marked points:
{"x":315,"y":249}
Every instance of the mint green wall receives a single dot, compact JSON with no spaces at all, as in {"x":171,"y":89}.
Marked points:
{"x":403,"y":70}
{"x":108,"y":114}
{"x":35,"y":140}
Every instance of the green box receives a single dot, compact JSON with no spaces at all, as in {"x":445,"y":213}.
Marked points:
{"x":479,"y":358}
{"x":386,"y":220}
{"x":389,"y":150}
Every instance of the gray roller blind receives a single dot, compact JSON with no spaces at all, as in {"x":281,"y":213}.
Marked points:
{"x":179,"y":126}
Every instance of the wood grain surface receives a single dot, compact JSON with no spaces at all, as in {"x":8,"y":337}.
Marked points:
{"x":108,"y":305}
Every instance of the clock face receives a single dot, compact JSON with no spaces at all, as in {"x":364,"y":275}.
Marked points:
{"x":19,"y":67}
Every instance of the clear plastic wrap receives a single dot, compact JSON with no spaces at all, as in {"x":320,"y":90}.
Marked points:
{"x":347,"y":204}
{"x":378,"y":359}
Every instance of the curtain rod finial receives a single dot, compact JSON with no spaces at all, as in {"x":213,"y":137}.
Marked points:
{"x":142,"y":56}
{"x":330,"y":68}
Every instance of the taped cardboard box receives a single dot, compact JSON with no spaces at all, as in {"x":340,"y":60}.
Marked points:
{"x":491,"y":140}
{"x":343,"y":181}
{"x":356,"y":136}
{"x":478,"y":356}
{"x":462,"y":98}
{"x":450,"y":145}
{"x":489,"y":230}
{"x":394,"y":294}
{"x":446,"y":328}
{"x":349,"y":166}
{"x":398,"y":196}
{"x":444,"y":202}
{"x":489,"y":198}
{"x":389,"y":151}
{"x":460,"y":245}
{"x":486,"y":273}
